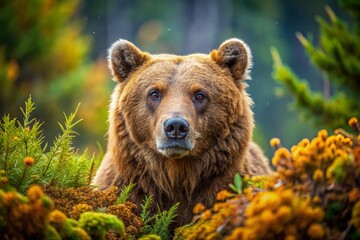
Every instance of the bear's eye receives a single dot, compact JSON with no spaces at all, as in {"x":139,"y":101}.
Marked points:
{"x":199,"y":97}
{"x":154,"y":95}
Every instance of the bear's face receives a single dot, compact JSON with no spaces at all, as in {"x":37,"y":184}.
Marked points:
{"x":180,"y":106}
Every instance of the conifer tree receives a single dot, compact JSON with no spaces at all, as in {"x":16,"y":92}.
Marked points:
{"x":338,"y":57}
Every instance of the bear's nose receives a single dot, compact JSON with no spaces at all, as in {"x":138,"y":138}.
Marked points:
{"x":176,"y":128}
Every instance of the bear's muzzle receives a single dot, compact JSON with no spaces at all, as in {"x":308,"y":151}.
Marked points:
{"x":175,"y":142}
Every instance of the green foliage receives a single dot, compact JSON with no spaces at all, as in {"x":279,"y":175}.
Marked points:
{"x":334,"y":112}
{"x":97,"y":224}
{"x":255,"y":181}
{"x":66,"y":228}
{"x":159,"y":223}
{"x":338,"y":57}
{"x":43,"y":52}
{"x":44,"y":34}
{"x":238,"y":184}
{"x":162,"y":222}
{"x":145,"y":210}
{"x":60,"y":165}
{"x":20,"y":140}
{"x":150,"y":237}
{"x":125,"y":193}
{"x":66,"y":175}
{"x":61,"y":151}
{"x":332,"y":211}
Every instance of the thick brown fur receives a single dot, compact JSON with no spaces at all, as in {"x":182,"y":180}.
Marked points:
{"x":220,"y":125}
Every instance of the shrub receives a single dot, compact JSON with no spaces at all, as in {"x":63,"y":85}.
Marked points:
{"x":314,"y":194}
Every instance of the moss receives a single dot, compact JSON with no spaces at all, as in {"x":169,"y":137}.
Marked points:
{"x":66,"y":199}
{"x":78,"y":209}
{"x":125,"y":212}
{"x":150,"y":237}
{"x":97,"y":224}
{"x":34,"y":217}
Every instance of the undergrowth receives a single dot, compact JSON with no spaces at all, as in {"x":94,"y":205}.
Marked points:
{"x":313,"y":194}
{"x":27,"y":160}
{"x":46,"y":192}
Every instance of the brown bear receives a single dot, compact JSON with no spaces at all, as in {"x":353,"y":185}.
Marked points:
{"x":180,"y":126}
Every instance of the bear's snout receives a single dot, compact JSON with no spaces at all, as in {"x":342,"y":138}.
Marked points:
{"x":174,"y":140}
{"x":176,"y":128}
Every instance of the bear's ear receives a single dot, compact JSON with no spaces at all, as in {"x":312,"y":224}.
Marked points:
{"x":235,"y":55}
{"x":124,"y":57}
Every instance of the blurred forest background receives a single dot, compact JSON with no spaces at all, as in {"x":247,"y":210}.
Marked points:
{"x":56,"y":51}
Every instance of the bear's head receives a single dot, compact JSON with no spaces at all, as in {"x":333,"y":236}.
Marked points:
{"x":182,"y":106}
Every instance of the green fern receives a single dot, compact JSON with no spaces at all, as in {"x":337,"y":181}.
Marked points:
{"x":125,"y":194}
{"x":145,"y":210}
{"x":161,"y":220}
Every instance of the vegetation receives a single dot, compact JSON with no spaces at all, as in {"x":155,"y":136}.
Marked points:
{"x":45,"y":186}
{"x":39,"y":36}
{"x":338,"y":58}
{"x":27,"y":160}
{"x":314,"y":194}
{"x":44,"y":52}
{"x":71,"y":208}
{"x":162,"y":220}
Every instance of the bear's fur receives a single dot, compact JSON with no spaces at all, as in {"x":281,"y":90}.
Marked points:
{"x":211,"y":140}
